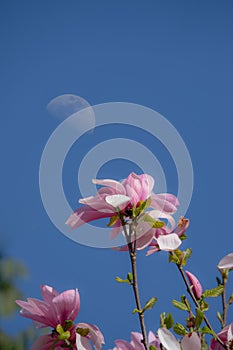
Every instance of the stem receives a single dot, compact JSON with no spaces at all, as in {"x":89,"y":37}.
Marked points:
{"x":133,"y":259}
{"x":189,"y":290}
{"x":132,"y":254}
{"x":224,"y":301}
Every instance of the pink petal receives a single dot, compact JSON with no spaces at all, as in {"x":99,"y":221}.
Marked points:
{"x":159,"y":215}
{"x":48,"y":293}
{"x":145,"y":234}
{"x":117,"y":186}
{"x":168,"y":340}
{"x":196,"y":285}
{"x":123,"y":345}
{"x":191,"y":342}
{"x":226,"y":262}
{"x":169,"y":242}
{"x":152,"y":250}
{"x":136,"y":340}
{"x":116,"y":229}
{"x":44,"y":342}
{"x":86,"y":214}
{"x":67,"y":305}
{"x":153,"y":340}
{"x":164,"y":202}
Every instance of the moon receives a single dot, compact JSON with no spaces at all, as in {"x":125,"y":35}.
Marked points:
{"x":65,"y":105}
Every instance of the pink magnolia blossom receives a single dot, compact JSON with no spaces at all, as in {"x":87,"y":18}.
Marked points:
{"x":121,"y":196}
{"x":136,"y":342}
{"x":167,"y":238}
{"x":226,"y":335}
{"x":59,"y":310}
{"x":191,"y":342}
{"x":195,"y":284}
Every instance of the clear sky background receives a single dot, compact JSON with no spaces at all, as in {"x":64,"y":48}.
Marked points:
{"x":175,"y":57}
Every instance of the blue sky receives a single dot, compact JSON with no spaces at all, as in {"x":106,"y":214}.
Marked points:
{"x":175,"y":57}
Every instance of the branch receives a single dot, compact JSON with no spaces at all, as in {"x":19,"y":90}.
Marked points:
{"x":189,"y":290}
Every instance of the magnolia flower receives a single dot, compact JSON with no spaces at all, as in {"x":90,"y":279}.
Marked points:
{"x":167,"y":238}
{"x":189,"y":341}
{"x":59,"y":310}
{"x":136,"y":342}
{"x":226,"y":335}
{"x":122,"y":197}
{"x":195,"y":284}
{"x":226,"y":262}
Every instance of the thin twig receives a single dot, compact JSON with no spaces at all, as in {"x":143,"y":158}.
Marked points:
{"x":225,"y":305}
{"x":133,"y":259}
{"x":189,"y":289}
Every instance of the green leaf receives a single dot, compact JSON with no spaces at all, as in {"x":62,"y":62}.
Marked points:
{"x":183,"y":237}
{"x":112,"y":220}
{"x":180,"y":305}
{"x":169,"y":321}
{"x":214,"y":292}
{"x":180,"y":329}
{"x":158,"y":224}
{"x":82,"y":331}
{"x":154,"y":223}
{"x":207,"y":330}
{"x":204,"y":306}
{"x":199,"y":317}
{"x":173,"y":258}
{"x":120,"y":280}
{"x":219,"y":316}
{"x":184,"y":300}
{"x":186,"y":255}
{"x":137,"y":310}
{"x":130,"y":277}
{"x":150,"y":303}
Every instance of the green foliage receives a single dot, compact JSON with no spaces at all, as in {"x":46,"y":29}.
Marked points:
{"x":180,"y":257}
{"x":128,"y":280}
{"x":168,"y":321}
{"x":113,"y":220}
{"x":150,"y":304}
{"x":180,"y":305}
{"x":141,"y":207}
{"x":199,"y":317}
{"x":137,"y":310}
{"x":214,"y":292}
{"x":180,"y":329}
{"x":154,"y":223}
{"x":204,"y":306}
{"x":207,"y":330}
{"x":10,"y":270}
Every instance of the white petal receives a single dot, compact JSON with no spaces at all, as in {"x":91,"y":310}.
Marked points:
{"x":79,"y":343}
{"x":168,"y":340}
{"x":169,"y":242}
{"x":226,"y":262}
{"x":229,"y":333}
{"x":117,"y":199}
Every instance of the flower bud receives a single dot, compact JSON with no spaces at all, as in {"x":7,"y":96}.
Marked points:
{"x":196,"y":285}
